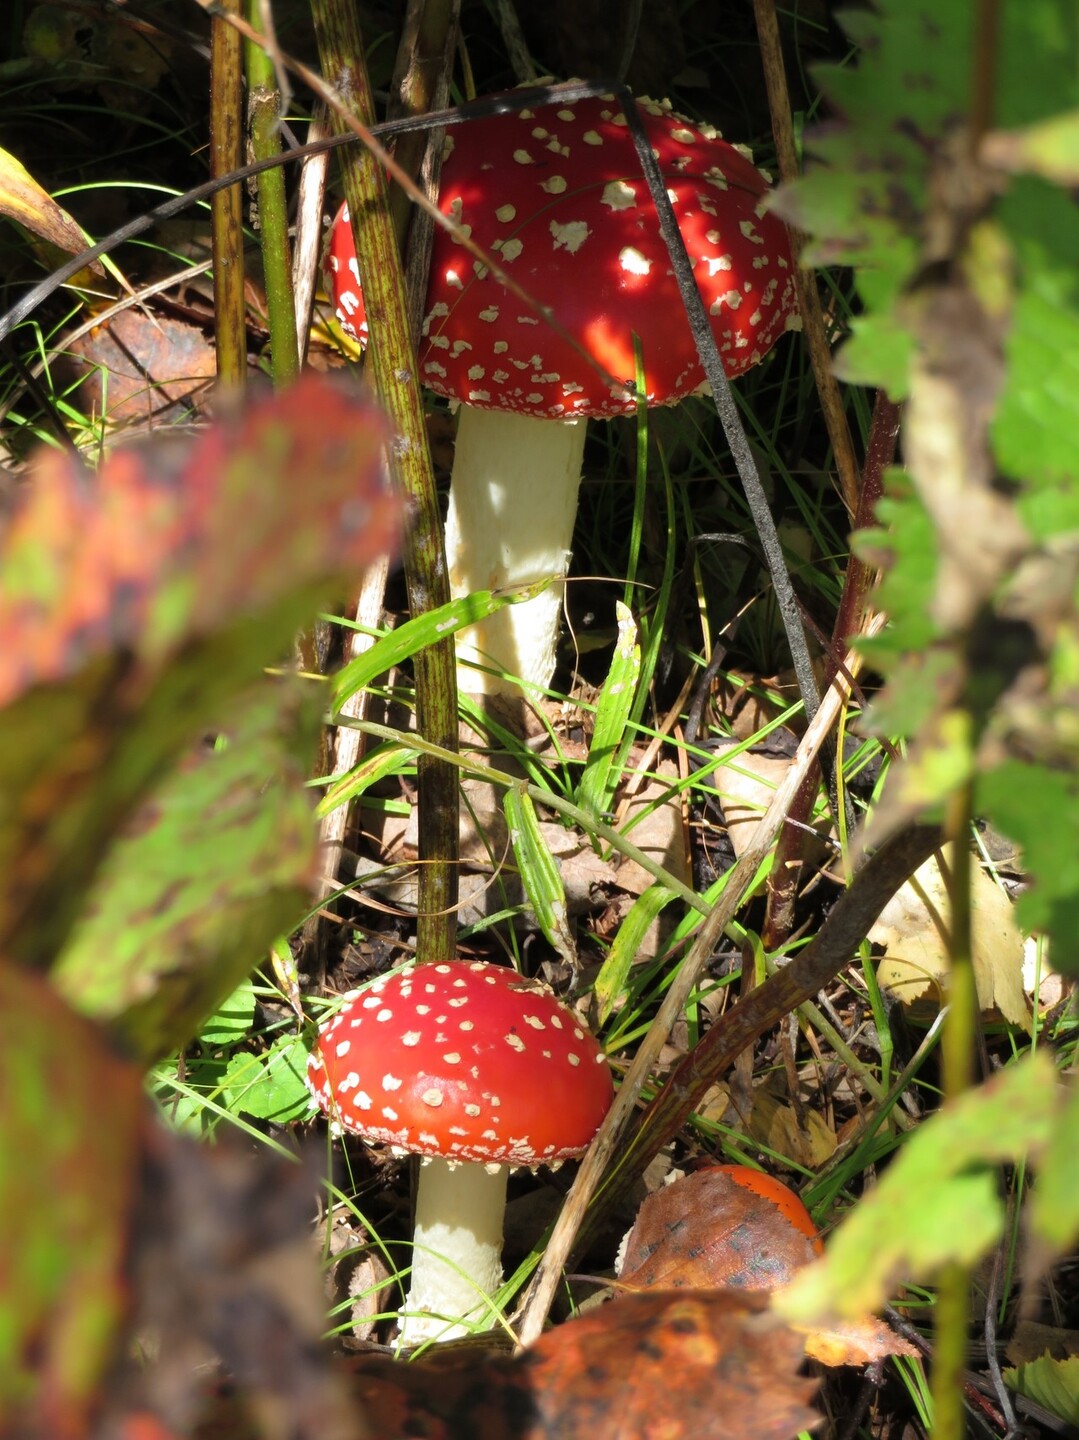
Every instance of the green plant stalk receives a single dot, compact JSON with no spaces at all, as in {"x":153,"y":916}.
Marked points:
{"x":226,"y":207}
{"x":263,"y":119}
{"x":952,"y":1313}
{"x":392,"y":361}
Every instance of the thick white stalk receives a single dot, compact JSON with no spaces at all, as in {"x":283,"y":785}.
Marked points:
{"x":513,"y":501}
{"x":457,"y":1250}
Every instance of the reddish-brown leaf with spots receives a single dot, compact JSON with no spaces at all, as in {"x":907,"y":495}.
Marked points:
{"x":687,"y":1367}
{"x":731,"y":1228}
{"x":708,"y":1231}
{"x":136,"y":603}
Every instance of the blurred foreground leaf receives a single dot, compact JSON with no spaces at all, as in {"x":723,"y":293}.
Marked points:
{"x":137,"y":604}
{"x":70,"y":1125}
{"x":210,"y":868}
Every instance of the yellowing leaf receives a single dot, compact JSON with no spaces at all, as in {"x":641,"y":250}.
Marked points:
{"x":23,"y":199}
{"x":913,"y":929}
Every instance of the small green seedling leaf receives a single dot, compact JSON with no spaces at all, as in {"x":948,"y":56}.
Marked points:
{"x":938,"y":1201}
{"x":611,"y":980}
{"x":271,"y":1086}
{"x":612,"y":712}
{"x":231,"y":1021}
{"x":540,"y":875}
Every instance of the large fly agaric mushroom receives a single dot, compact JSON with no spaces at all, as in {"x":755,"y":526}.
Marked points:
{"x":476,"y":1069}
{"x":558,"y":195}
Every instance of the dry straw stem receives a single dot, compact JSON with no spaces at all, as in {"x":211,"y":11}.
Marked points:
{"x":739,"y":880}
{"x":392,"y":362}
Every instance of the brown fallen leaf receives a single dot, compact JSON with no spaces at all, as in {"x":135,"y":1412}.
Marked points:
{"x":707,"y":1230}
{"x":139,"y":367}
{"x":684,"y":1367}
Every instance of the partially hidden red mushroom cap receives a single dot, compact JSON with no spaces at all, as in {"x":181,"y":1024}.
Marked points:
{"x":559,"y":196}
{"x":467,"y":1061}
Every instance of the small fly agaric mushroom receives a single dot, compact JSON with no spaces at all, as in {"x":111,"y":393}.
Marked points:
{"x":559,"y":197}
{"x":476,"y":1069}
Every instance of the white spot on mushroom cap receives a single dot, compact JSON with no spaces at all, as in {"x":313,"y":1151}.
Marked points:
{"x":569,"y":235}
{"x":619,"y":195}
{"x":633,"y":262}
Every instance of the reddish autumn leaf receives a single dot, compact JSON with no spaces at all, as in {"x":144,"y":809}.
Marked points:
{"x":730,"y":1227}
{"x":709,"y":1231}
{"x":134,"y":605}
{"x":687,"y":1367}
{"x":140,"y":367}
{"x":70,"y":1123}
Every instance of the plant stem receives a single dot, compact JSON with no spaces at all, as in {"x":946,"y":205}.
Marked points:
{"x":226,"y":154}
{"x":391,"y":358}
{"x":952,"y":1314}
{"x":816,"y":336}
{"x":263,"y":118}
{"x":784,"y":878}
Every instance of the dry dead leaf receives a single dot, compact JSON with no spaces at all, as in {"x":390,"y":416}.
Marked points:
{"x":706,"y":1231}
{"x":681,"y":1366}
{"x":776,"y":1126}
{"x":913,"y":929}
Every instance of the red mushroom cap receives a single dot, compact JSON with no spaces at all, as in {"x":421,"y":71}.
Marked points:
{"x":467,"y":1061}
{"x":559,"y":196}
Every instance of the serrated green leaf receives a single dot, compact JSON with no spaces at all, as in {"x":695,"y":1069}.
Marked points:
{"x":1038,"y":807}
{"x":1051,"y":1383}
{"x":1054,"y":1211}
{"x":938,"y":1202}
{"x":611,"y":980}
{"x":599,"y":777}
{"x":539,"y":872}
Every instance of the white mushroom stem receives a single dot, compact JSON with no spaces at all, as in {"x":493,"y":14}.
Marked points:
{"x":457,"y":1250}
{"x":513,"y":501}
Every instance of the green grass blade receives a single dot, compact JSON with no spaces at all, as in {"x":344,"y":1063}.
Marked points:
{"x":423,"y":630}
{"x":611,"y":980}
{"x":612,"y":712}
{"x":540,"y":875}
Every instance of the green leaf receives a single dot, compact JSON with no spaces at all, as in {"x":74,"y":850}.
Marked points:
{"x":232,"y":1020}
{"x":271,"y":1086}
{"x":1051,"y":1383}
{"x":539,"y":872}
{"x":389,"y":758}
{"x":210,"y":869}
{"x":600,"y":777}
{"x":135,"y":606}
{"x":70,"y":1142}
{"x":611,"y":980}
{"x":938,"y":1201}
{"x":1054,"y":1212}
{"x":1037,"y":806}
